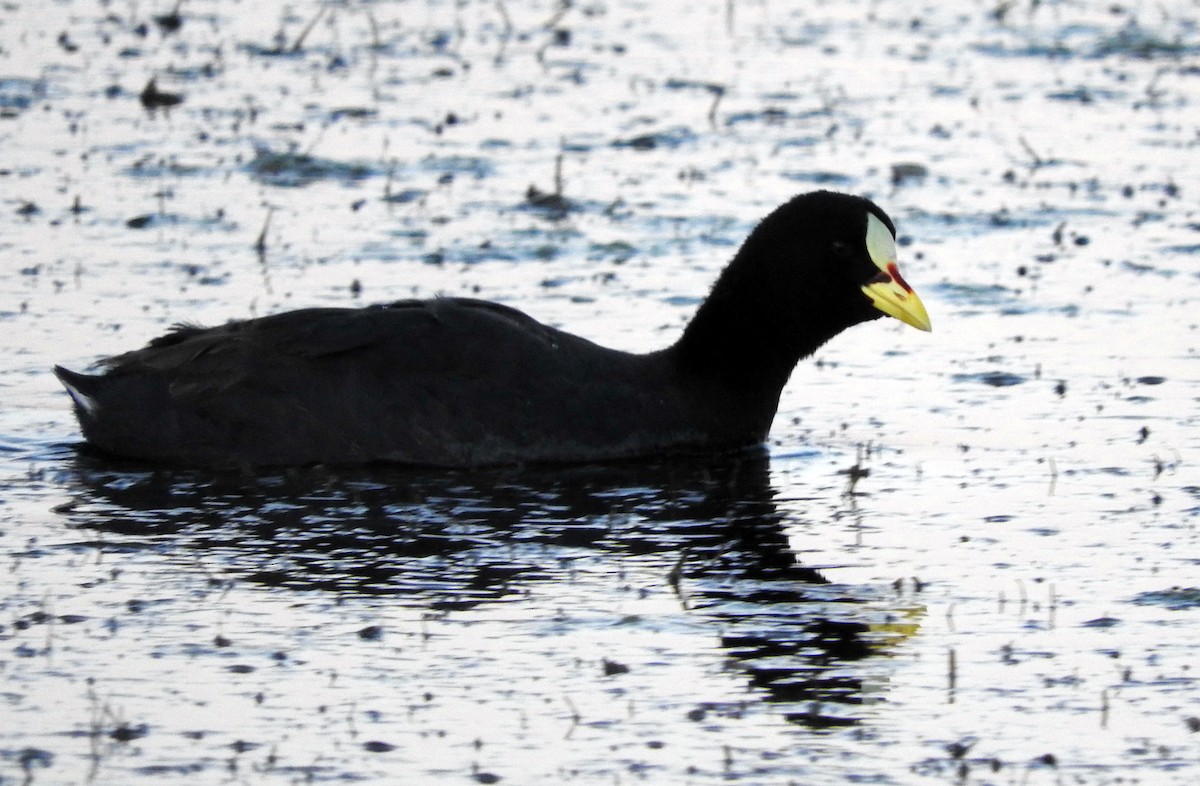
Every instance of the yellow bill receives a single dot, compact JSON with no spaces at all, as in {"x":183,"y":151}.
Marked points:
{"x":888,"y":291}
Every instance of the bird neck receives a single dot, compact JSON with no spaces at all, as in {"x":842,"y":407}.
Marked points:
{"x":745,"y":334}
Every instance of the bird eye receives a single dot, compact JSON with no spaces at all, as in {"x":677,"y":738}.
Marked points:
{"x":841,"y":249}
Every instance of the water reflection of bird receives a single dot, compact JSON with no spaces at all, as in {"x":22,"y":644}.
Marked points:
{"x":543,"y":537}
{"x":458,"y":382}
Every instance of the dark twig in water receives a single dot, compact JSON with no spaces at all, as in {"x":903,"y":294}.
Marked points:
{"x":1051,"y":607}
{"x":298,"y":44}
{"x":506,"y":31}
{"x":718,"y":92}
{"x":376,"y":41}
{"x":675,"y":576}
{"x":563,"y":7}
{"x":557,"y":35}
{"x":260,"y":245}
{"x":1038,"y":161}
{"x":856,"y":472}
{"x":554,"y":203}
{"x":575,"y":717}
{"x":387,"y":183}
{"x":952,"y":674}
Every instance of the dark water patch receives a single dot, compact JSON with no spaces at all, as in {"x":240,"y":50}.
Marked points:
{"x":1133,"y":40}
{"x":144,"y":221}
{"x":1187,"y":249}
{"x":13,"y":444}
{"x":996,"y":379}
{"x":282,"y":47}
{"x":45,"y":618}
{"x":1083,"y":95}
{"x":405,"y":196}
{"x":806,"y":34}
{"x":803,"y":141}
{"x":1004,"y":218}
{"x":555,"y":206}
{"x":450,"y":166}
{"x":204,"y":276}
{"x":1030,"y":49}
{"x":1175,"y":598}
{"x":821,"y":178}
{"x":1144,"y":268}
{"x":712,"y":88}
{"x":153,"y":166}
{"x":1120,"y":472}
{"x":618,"y":251}
{"x":29,"y":760}
{"x":558,"y":281}
{"x":947,"y":91}
{"x":1094,"y":42}
{"x":18,"y":94}
{"x":584,"y":142}
{"x":550,"y":204}
{"x":352,"y":113}
{"x":775,"y":115}
{"x":171,"y":770}
{"x":378,"y":746}
{"x":292,"y":170}
{"x":905,"y":172}
{"x":668,"y":139}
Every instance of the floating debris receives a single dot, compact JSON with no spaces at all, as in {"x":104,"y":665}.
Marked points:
{"x":171,"y":21}
{"x":152,"y":98}
{"x":611,"y":667}
{"x":907,"y":172}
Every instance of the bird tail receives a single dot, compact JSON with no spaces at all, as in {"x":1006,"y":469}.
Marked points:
{"x":81,"y":388}
{"x":127,"y":415}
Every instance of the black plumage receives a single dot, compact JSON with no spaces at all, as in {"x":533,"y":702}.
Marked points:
{"x":461,"y":382}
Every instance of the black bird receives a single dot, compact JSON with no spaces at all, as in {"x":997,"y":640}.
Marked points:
{"x":457,"y":382}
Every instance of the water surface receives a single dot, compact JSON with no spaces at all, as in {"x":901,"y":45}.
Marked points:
{"x":1005,"y":593}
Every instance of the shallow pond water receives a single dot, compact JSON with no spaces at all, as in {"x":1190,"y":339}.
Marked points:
{"x":964,"y":557}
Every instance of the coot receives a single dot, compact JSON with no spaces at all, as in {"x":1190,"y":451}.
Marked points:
{"x":457,"y":382}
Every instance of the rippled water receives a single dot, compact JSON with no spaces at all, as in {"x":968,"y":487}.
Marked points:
{"x":964,"y":557}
